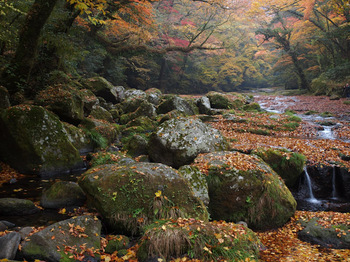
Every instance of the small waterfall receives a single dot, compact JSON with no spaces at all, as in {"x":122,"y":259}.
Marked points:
{"x":311,"y":198}
{"x":327,"y":133}
{"x":335,"y":194}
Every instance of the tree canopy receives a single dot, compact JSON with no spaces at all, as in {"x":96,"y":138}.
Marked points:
{"x":184,"y":46}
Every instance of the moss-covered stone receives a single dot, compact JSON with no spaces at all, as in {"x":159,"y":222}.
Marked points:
{"x":174,"y":102}
{"x":99,"y":112}
{"x":244,"y":188}
{"x":34,"y":141}
{"x":197,"y":181}
{"x":154,"y":96}
{"x":330,"y":236}
{"x":63,"y":194}
{"x":178,"y":141}
{"x":101,"y":87}
{"x":205,"y":241}
{"x":117,"y":243}
{"x":136,"y":145}
{"x":252,"y":107}
{"x":64,"y":100}
{"x":79,"y":138}
{"x":107,"y":130}
{"x":17,"y":207}
{"x":129,"y":197}
{"x":288,"y":165}
{"x":220,"y":101}
{"x":50,"y":243}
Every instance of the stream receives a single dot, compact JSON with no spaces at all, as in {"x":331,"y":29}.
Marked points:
{"x":325,"y":125}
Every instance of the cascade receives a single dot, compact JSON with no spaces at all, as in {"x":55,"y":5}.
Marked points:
{"x":311,"y":198}
{"x":335,"y":194}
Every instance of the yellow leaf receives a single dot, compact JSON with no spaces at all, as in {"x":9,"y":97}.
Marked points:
{"x":158,"y":193}
{"x":62,"y":211}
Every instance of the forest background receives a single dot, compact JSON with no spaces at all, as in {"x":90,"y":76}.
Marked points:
{"x":178,"y":46}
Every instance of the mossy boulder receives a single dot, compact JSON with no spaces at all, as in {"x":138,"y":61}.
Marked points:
{"x":63,"y":194}
{"x":220,"y":101}
{"x":145,"y":122}
{"x":318,"y":232}
{"x":174,"y":102}
{"x":244,"y":188}
{"x":89,"y":99}
{"x":79,"y":138}
{"x":154,"y":96}
{"x":17,"y":207}
{"x":288,"y":165}
{"x":65,"y":101}
{"x":136,"y":145}
{"x":144,"y":108}
{"x":197,"y":181}
{"x":178,"y":141}
{"x":203,"y":241}
{"x":116,"y":243}
{"x":50,"y":243}
{"x":100,"y":128}
{"x":170,"y":115}
{"x":252,"y":107}
{"x":204,"y":105}
{"x":131,"y":196}
{"x":101,"y":87}
{"x":99,"y":112}
{"x":34,"y":141}
{"x":4,"y":98}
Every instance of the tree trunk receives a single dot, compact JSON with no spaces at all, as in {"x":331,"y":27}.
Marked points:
{"x":16,"y":74}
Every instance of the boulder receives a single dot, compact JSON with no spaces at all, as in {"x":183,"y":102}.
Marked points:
{"x":197,"y":182}
{"x":170,"y":115}
{"x":202,"y":241}
{"x":4,"y":98}
{"x":117,"y":243}
{"x":64,"y":101}
{"x":79,"y":138}
{"x":178,"y":141}
{"x":99,"y":112}
{"x":9,"y":245}
{"x":101,"y":87}
{"x":100,"y":132}
{"x":144,"y":108}
{"x":204,"y":106}
{"x":219,"y":101}
{"x":174,"y":102}
{"x":334,"y":236}
{"x":244,"y":188}
{"x":89,"y":99}
{"x":17,"y":207}
{"x":77,"y":233}
{"x":136,"y":145}
{"x":135,"y":93}
{"x":288,"y":165}
{"x":131,"y":196}
{"x":34,"y":141}
{"x":63,"y":194}
{"x":154,"y":96}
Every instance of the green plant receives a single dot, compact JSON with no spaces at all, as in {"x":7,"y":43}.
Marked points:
{"x":97,"y":139}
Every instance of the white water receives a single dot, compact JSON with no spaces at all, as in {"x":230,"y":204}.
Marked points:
{"x":311,"y":198}
{"x":334,"y":188}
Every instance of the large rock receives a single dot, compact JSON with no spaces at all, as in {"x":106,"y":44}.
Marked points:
{"x":101,"y":87}
{"x":65,"y":101}
{"x":315,"y":232}
{"x":244,"y":188}
{"x":17,"y":207}
{"x":178,"y":141}
{"x":203,"y":241}
{"x":204,"y":106}
{"x":79,"y":138}
{"x":34,"y":142}
{"x":225,"y":101}
{"x":197,"y":181}
{"x":89,"y":99}
{"x":154,"y":96}
{"x":99,"y":112}
{"x":174,"y":102}
{"x":131,"y":196}
{"x":9,"y":245}
{"x":63,"y":194}
{"x":76,"y":233}
{"x":288,"y":165}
